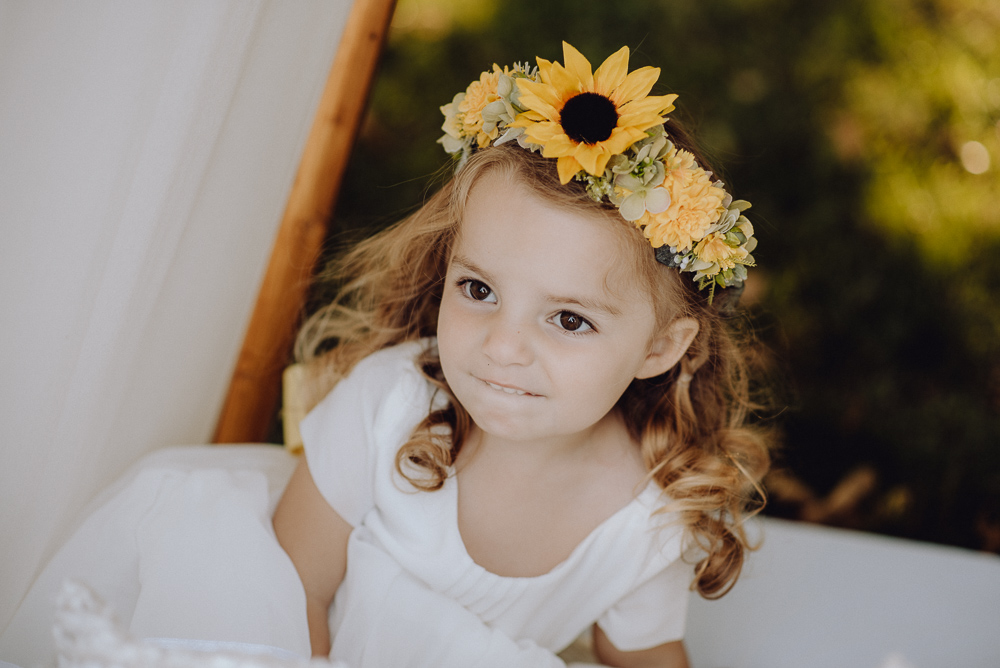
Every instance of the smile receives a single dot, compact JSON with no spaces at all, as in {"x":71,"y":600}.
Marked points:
{"x":510,"y":390}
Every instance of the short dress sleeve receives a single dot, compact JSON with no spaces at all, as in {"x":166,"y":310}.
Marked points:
{"x":654,"y":612}
{"x":367,"y":416}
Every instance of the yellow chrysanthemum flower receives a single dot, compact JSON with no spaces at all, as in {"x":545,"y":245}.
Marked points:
{"x":477,"y":96}
{"x":695,"y":204}
{"x":583,"y":117}
{"x":714,"y":249}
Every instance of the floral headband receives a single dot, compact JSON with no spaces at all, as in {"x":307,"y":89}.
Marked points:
{"x":607,"y":132}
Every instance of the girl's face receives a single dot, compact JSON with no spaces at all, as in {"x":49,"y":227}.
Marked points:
{"x":542,"y":324}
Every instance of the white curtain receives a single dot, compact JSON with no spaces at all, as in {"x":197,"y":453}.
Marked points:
{"x":146,"y":153}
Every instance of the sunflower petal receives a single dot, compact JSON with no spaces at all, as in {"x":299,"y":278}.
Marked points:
{"x":544,"y":112}
{"x":592,"y":157}
{"x":526,"y":118}
{"x":636,"y":85}
{"x":657,"y":104}
{"x":602,"y":163}
{"x":621,"y":138}
{"x":564,"y":83}
{"x":543,"y":91}
{"x":539,"y":97}
{"x":611,"y":73}
{"x":640,"y":121}
{"x":544,"y":66}
{"x":544,"y":131}
{"x":556,"y":147}
{"x":578,"y":66}
{"x":568,"y":167}
{"x":539,"y":111}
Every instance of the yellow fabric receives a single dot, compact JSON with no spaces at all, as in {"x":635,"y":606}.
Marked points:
{"x":293,"y":407}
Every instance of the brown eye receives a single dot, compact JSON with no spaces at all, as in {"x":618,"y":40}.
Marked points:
{"x":479,"y":291}
{"x":571,"y":322}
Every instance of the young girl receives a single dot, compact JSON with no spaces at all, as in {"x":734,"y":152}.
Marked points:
{"x":536,"y":425}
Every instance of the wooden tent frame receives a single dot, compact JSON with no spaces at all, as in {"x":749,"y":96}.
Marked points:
{"x":255,"y":388}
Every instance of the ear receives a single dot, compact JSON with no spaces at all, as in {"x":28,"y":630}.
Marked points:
{"x":668,"y":347}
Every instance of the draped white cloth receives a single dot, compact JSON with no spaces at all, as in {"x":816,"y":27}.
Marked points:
{"x":182,"y":550}
{"x":146,"y":153}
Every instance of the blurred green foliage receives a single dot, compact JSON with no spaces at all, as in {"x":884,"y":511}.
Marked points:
{"x":867,"y":135}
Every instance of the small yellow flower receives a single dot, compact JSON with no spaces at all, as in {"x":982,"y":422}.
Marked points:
{"x":477,"y":96}
{"x":714,"y":249}
{"x":583,"y":118}
{"x":608,"y":132}
{"x":695,"y":205}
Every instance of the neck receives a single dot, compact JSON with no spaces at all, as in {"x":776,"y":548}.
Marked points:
{"x":542,"y":454}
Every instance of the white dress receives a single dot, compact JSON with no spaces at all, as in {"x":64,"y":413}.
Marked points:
{"x":627,"y":575}
{"x":182,"y":547}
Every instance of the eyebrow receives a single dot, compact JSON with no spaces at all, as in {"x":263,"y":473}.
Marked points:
{"x":470,"y":266}
{"x":587,"y":304}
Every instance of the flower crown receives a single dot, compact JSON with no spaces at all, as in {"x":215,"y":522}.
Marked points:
{"x":607,"y":132}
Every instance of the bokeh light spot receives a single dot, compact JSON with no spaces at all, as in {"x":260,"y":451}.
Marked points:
{"x":975,"y":157}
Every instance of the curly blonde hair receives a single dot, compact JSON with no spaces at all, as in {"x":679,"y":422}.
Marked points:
{"x":690,"y":422}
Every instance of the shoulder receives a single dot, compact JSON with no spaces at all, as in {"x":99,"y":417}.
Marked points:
{"x":387,"y":383}
{"x":374,"y":378}
{"x":660,"y":534}
{"x":353,"y":433}
{"x":391,"y":363}
{"x":393,"y":387}
{"x":652,"y":606}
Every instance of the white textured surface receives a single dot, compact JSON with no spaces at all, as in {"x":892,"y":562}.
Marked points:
{"x":88,"y":636}
{"x":816,"y":597}
{"x":181,"y":547}
{"x":146,"y":154}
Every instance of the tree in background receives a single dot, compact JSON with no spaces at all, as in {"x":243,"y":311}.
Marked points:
{"x":867,"y":135}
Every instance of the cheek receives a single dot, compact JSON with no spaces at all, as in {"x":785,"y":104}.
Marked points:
{"x":452,"y":330}
{"x":449,"y":318}
{"x":596,"y":380}
{"x":606,"y":378}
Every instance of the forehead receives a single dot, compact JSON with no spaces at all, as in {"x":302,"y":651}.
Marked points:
{"x":507,"y":227}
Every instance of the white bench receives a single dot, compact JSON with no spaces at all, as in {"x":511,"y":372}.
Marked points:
{"x":815,"y":597}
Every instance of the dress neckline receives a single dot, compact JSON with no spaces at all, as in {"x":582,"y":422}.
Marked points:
{"x":644,"y":499}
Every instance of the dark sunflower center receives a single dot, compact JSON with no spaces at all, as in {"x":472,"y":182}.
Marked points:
{"x":588,"y":118}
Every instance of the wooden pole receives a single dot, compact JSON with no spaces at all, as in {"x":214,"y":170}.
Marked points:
{"x":255,"y":388}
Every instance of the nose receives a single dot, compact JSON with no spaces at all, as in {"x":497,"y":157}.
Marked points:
{"x":507,"y":342}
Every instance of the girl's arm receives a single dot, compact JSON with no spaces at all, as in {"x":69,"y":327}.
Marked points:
{"x":315,"y":538}
{"x":669,"y":655}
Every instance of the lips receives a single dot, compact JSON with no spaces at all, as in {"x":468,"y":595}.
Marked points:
{"x":507,"y":389}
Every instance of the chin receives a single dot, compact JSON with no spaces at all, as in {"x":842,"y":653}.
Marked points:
{"x":504,"y":426}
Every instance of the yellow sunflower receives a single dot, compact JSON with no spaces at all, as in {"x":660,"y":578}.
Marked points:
{"x":584,"y":118}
